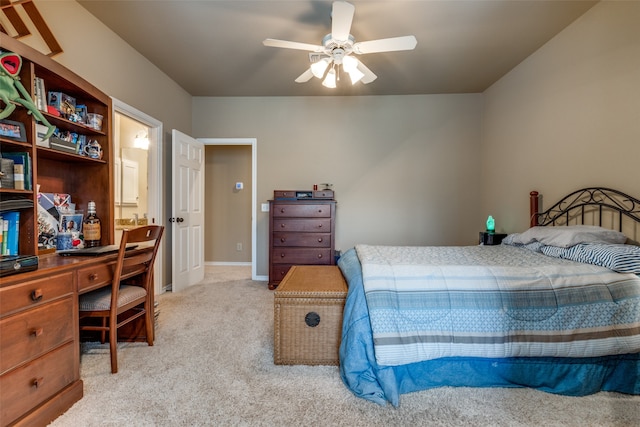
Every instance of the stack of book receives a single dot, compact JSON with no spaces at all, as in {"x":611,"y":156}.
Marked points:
{"x":15,"y":168}
{"x":10,"y":236}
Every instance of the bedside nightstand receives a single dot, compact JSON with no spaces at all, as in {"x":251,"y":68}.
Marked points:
{"x":488,"y":239}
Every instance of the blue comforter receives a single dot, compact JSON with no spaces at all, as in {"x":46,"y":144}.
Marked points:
{"x":382,"y":383}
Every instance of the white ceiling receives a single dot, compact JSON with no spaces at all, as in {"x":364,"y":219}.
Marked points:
{"x":214,"y":48}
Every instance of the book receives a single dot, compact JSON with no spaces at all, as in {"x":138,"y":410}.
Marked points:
{"x":6,"y":173}
{"x":21,"y":158}
{"x":41,"y":131}
{"x":63,"y":145}
{"x":13,"y":231}
{"x":1,"y":235}
{"x":5,"y":236}
{"x":40,"y":94}
{"x":18,"y":176}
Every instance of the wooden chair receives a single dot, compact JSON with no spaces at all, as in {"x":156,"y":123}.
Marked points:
{"x":130,"y":295}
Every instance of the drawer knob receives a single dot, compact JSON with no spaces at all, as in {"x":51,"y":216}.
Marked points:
{"x":93,"y":276}
{"x":319,"y":239}
{"x":37,"y":382}
{"x":320,"y":225}
{"x":282,"y":225}
{"x":36,"y":295}
{"x":37,"y":332}
{"x":282,"y":210}
{"x":319,"y":255}
{"x":282,"y":239}
{"x":281,"y":255}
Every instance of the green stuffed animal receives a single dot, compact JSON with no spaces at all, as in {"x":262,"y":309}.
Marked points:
{"x":12,"y":92}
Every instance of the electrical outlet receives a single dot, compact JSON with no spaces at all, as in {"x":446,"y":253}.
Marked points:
{"x":238,"y":246}
{"x":265,"y":207}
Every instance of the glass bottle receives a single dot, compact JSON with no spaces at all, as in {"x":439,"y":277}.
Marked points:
{"x":91,"y":227}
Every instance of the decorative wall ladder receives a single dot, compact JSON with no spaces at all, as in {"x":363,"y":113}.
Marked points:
{"x":21,"y":28}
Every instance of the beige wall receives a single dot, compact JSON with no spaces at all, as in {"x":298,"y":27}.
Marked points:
{"x":423,"y":169}
{"x":99,"y":56}
{"x":567,"y":117}
{"x":404,"y":168}
{"x":228,"y":211}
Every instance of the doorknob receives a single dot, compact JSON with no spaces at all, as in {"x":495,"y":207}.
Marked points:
{"x":180,"y":220}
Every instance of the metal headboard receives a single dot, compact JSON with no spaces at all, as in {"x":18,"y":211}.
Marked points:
{"x":601,"y":206}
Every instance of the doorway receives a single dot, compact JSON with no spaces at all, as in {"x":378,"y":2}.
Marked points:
{"x":252,"y":144}
{"x":138,"y":175}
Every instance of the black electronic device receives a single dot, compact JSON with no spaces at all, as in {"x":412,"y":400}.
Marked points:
{"x":95,"y":251}
{"x":12,"y":264}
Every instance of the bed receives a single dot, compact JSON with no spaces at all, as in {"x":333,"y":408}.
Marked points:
{"x":554,"y":308}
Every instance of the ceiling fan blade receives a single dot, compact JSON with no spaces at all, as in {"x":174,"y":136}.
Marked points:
{"x":341,"y":16}
{"x":368,"y":74}
{"x":386,"y":45}
{"x":305,"y":77}
{"x":292,"y":45}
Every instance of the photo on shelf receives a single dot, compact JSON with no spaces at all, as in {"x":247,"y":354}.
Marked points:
{"x":70,"y":223}
{"x":12,"y":130}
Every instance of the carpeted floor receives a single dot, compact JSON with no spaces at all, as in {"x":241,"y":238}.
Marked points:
{"x":212,"y":364}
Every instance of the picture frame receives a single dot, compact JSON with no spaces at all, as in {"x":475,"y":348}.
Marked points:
{"x":12,"y":130}
{"x":70,"y":223}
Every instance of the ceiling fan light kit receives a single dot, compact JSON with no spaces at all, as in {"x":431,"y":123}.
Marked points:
{"x":337,"y":48}
{"x":330,"y":80}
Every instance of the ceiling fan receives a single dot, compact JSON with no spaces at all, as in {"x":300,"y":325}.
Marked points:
{"x":337,"y":49}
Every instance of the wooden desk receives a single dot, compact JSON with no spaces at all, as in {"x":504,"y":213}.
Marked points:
{"x":39,"y":336}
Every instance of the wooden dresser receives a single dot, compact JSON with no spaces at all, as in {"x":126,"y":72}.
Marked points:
{"x":39,"y":337}
{"x":301,"y":231}
{"x":39,"y":348}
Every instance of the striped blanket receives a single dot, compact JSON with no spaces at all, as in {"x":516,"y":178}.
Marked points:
{"x":494,"y":301}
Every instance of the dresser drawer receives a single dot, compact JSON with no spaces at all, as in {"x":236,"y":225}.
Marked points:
{"x":301,"y":256}
{"x":279,"y":194}
{"x":291,"y":210}
{"x":315,"y":240}
{"x":95,"y":276}
{"x":39,"y":291}
{"x":28,"y":386}
{"x":278,"y":271}
{"x":323,"y":194}
{"x":34,"y":332}
{"x":302,"y":225}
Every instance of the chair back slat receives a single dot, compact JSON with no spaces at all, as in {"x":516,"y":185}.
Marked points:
{"x":138,"y":261}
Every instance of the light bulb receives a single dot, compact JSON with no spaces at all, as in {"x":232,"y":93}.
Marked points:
{"x":355,"y":75}
{"x":349,"y":63}
{"x":141,"y":141}
{"x":318,"y":68}
{"x":330,"y":80}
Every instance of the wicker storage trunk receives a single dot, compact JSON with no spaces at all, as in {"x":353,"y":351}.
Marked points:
{"x":308,"y":306}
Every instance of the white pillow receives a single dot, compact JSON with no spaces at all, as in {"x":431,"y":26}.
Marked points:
{"x":566,"y":236}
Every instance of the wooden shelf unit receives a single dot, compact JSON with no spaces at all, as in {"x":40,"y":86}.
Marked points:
{"x":55,"y":171}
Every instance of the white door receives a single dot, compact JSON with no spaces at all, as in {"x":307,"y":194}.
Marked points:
{"x":187,"y":215}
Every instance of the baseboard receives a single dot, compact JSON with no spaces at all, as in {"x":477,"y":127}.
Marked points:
{"x":223,"y":263}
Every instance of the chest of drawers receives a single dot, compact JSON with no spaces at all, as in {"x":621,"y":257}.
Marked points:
{"x":39,"y":354}
{"x":301,"y":232}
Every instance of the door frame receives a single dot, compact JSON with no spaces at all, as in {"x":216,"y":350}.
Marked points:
{"x":154,"y":181}
{"x":253,"y":142}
